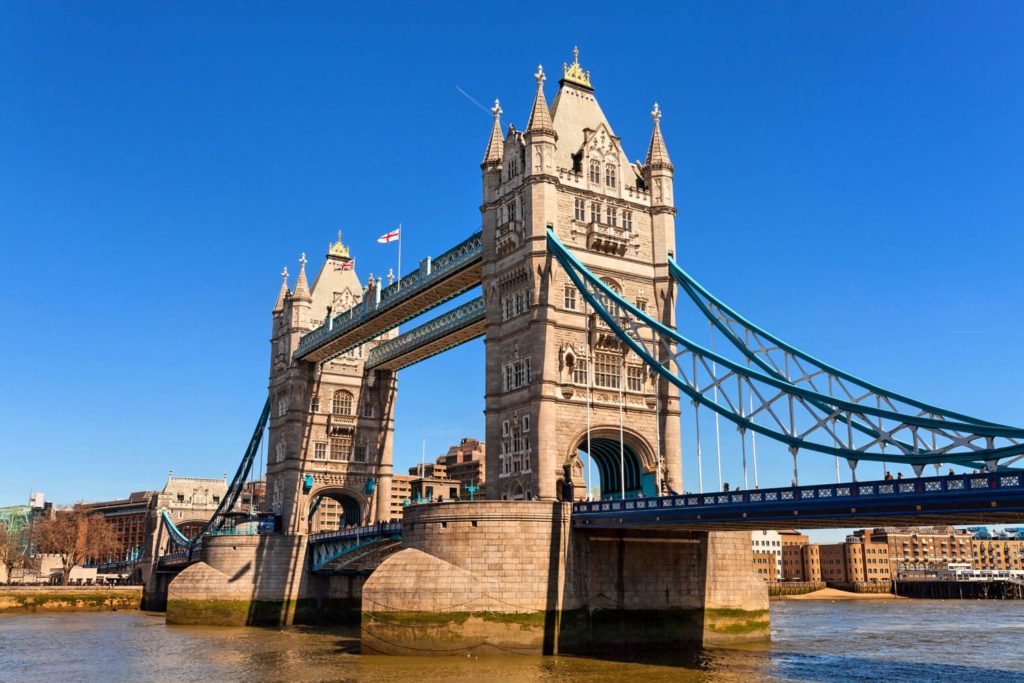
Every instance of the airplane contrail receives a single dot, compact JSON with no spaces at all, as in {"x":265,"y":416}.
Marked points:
{"x":470,"y":98}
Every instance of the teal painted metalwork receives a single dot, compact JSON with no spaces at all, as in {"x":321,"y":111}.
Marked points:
{"x":444,"y":325}
{"x":582,"y":277}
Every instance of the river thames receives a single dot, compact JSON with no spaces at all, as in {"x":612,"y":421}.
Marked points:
{"x":811,"y":641}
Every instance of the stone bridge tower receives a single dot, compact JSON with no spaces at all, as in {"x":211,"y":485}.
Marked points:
{"x":332,"y":423}
{"x":551,"y":363}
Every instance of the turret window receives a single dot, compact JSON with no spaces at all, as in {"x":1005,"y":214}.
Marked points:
{"x":627,"y":220}
{"x":595,"y":171}
{"x":569,"y":294}
{"x":367,"y":408}
{"x":314,"y":405}
{"x":612,"y":216}
{"x":595,"y":212}
{"x":341,"y":403}
{"x":341,"y":449}
{"x":609,"y":175}
{"x":320,"y":450}
{"x":607,"y":370}
{"x":581,"y":210}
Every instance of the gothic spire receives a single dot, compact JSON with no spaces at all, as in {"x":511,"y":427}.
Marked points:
{"x":540,"y":117}
{"x":284,"y":293}
{"x":301,"y":286}
{"x":497,"y":141}
{"x":657,"y":154}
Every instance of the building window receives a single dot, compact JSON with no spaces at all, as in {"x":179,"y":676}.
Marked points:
{"x":607,"y":370}
{"x":368,"y":408}
{"x":320,"y":450}
{"x":570,"y":297}
{"x":635,"y":378}
{"x":581,"y":209}
{"x":595,"y":212}
{"x":579,"y":371}
{"x":609,"y":175}
{"x":341,"y":403}
{"x":515,"y":303}
{"x":517,"y":374}
{"x":341,"y":449}
{"x":612,"y":216}
{"x":627,"y":220}
{"x":595,"y":171}
{"x":314,"y":405}
{"x":361,"y":450}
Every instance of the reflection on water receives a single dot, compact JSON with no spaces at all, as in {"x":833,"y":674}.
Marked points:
{"x":812,"y":641}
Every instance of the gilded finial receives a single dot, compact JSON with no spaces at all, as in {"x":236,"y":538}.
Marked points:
{"x":574,"y":73}
{"x":540,"y":75}
{"x":656,"y":113}
{"x":496,"y":110}
{"x":338,"y":249}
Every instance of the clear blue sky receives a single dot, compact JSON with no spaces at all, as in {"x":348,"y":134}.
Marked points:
{"x":851,"y":176}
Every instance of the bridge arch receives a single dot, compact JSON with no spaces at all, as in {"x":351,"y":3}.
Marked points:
{"x":354,"y":505}
{"x":638,"y":475}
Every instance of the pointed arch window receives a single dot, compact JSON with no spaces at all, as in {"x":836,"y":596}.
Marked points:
{"x":595,"y":171}
{"x":341,"y":402}
{"x":609,"y":175}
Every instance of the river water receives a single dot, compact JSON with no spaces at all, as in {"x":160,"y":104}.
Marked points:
{"x":964,"y":641}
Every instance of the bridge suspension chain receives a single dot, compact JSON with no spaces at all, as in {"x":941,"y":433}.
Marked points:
{"x":783,"y":401}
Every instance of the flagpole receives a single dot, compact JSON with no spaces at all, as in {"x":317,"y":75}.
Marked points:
{"x":399,"y":257}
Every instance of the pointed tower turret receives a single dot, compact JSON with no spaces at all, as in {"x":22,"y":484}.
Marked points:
{"x":540,"y":115}
{"x":657,"y":154}
{"x":497,"y":142}
{"x":301,"y":285}
{"x":283,"y":295}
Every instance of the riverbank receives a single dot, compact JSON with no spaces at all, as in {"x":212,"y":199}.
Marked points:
{"x":22,"y":599}
{"x":836,"y":594}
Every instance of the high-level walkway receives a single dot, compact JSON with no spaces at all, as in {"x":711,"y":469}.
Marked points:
{"x":436,"y":281}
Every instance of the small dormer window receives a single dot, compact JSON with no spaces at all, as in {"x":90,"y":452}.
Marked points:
{"x":595,"y":171}
{"x":609,"y":175}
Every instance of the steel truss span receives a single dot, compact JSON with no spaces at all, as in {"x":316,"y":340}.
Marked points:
{"x":782,"y":393}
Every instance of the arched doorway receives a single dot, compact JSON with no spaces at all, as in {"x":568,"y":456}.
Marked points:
{"x":615,"y":468}
{"x":333,"y":509}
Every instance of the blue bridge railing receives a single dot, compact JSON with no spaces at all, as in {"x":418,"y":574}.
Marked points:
{"x":963,"y":485}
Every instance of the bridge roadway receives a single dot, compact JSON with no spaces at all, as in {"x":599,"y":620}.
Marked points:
{"x":981,"y":498}
{"x":437,"y":280}
{"x":978,"y":498}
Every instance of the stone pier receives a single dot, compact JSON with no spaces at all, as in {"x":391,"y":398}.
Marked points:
{"x":513,"y":577}
{"x":259,"y":581}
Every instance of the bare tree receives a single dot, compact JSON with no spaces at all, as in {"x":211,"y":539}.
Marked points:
{"x":12,"y":549}
{"x":76,"y":535}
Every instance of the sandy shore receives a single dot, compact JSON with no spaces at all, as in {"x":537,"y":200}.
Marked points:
{"x":834,"y":594}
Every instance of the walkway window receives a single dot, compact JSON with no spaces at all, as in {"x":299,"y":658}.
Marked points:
{"x":595,"y":212}
{"x":341,"y":404}
{"x":595,"y":171}
{"x":607,"y":370}
{"x":609,"y":175}
{"x":581,"y":210}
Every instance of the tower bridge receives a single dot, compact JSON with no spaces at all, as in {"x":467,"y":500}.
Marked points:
{"x":585,"y":366}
